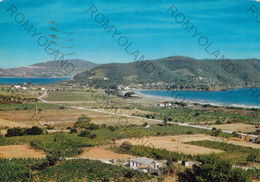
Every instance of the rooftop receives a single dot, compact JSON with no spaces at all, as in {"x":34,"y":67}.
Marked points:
{"x":143,"y":160}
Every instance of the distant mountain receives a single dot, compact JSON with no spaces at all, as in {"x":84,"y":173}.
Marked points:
{"x":176,"y":72}
{"x":52,"y":69}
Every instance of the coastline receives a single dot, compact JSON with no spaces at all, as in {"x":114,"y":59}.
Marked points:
{"x":173,"y":99}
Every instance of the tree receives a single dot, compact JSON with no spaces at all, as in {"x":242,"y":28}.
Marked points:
{"x":130,"y":174}
{"x":165,"y":121}
{"x":14,"y":132}
{"x":216,"y":132}
{"x":111,"y":128}
{"x":93,"y":126}
{"x":213,"y":169}
{"x":53,"y":157}
{"x":218,"y":122}
{"x":126,"y":146}
{"x":35,"y":130}
{"x":129,"y":94}
{"x":83,"y":122}
{"x":235,"y":134}
{"x":73,"y":130}
{"x":169,"y":162}
{"x":85,"y":133}
{"x":145,"y":124}
{"x":251,"y":158}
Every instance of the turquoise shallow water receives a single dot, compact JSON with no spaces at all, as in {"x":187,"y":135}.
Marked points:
{"x":248,"y":97}
{"x":37,"y":81}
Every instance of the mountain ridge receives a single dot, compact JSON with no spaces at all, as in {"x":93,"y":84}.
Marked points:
{"x":50,"y":69}
{"x":168,"y":71}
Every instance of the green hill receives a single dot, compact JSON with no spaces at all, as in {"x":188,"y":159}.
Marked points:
{"x":51,"y":69}
{"x":176,"y":72}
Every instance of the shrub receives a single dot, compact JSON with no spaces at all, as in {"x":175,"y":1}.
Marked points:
{"x":93,"y":136}
{"x":126,"y":146}
{"x":111,"y":128}
{"x":213,"y":169}
{"x":218,"y":122}
{"x":62,"y":107}
{"x":85,"y":133}
{"x":145,"y":124}
{"x":104,"y":126}
{"x":83,"y":122}
{"x":93,"y":126}
{"x":73,"y":130}
{"x":53,"y":158}
{"x":35,"y":130}
{"x":190,"y":132}
{"x":14,"y":132}
{"x":129,"y":94}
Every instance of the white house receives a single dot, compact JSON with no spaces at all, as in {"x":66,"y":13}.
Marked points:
{"x":144,"y":164}
{"x":17,"y":86}
{"x":163,"y":104}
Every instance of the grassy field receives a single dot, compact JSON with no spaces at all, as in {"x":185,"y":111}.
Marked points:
{"x":27,"y":106}
{"x":236,"y":153}
{"x":188,"y":115}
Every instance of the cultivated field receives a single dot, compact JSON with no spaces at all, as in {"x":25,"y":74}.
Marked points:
{"x":175,"y":143}
{"x":19,"y":151}
{"x":102,"y":153}
{"x":236,"y":127}
{"x":11,"y":124}
{"x":63,"y":118}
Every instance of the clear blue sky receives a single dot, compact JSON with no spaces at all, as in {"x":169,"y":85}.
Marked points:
{"x":145,"y":23}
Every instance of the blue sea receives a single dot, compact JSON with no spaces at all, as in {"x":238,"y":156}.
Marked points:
{"x":36,"y":81}
{"x":244,"y":97}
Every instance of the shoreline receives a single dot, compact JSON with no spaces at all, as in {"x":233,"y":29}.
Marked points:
{"x":165,"y":98}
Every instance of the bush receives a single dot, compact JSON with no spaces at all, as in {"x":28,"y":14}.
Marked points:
{"x":126,"y":146}
{"x":190,"y":132}
{"x":218,"y":122}
{"x":129,"y":174}
{"x":129,"y":94}
{"x":35,"y":130}
{"x":53,"y":158}
{"x":14,"y":132}
{"x":62,"y":107}
{"x":112,"y":128}
{"x":145,"y":124}
{"x":83,"y":122}
{"x":73,"y":130}
{"x":213,"y":169}
{"x":93,"y":126}
{"x":93,"y":136}
{"x":85,"y":133}
{"x":104,"y":126}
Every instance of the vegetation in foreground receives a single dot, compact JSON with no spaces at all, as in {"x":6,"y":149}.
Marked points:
{"x":239,"y":154}
{"x":214,"y":170}
{"x":72,"y":170}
